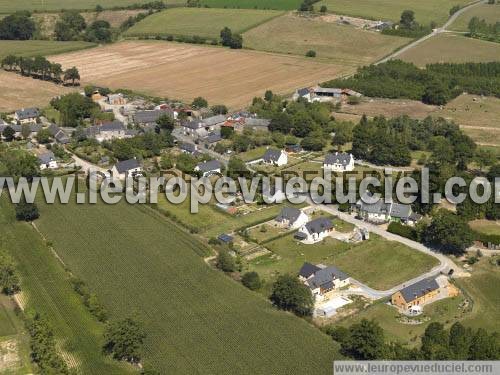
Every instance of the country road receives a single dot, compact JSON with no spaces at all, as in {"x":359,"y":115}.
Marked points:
{"x":445,"y":263}
{"x":435,"y":32}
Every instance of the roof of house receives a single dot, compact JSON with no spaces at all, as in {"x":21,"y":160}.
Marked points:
{"x":338,"y":158}
{"x":419,"y":289}
{"x":257,"y":122}
{"x":189,"y":147}
{"x":226,"y":238}
{"x":402,"y":211}
{"x":308,"y":269}
{"x":213,"y":138}
{"x":325,"y":276}
{"x":195,"y":124}
{"x":271,"y":155}
{"x":290,"y":214}
{"x":319,"y":225}
{"x":127,"y":165}
{"x":303,"y":92}
{"x":58,"y":134}
{"x":26,"y":113}
{"x":209,"y":166}
{"x":144,"y":117}
{"x":327,"y":90}
{"x":46,"y":157}
{"x":379,"y":207}
{"x":112,"y":126}
{"x":210,"y":121}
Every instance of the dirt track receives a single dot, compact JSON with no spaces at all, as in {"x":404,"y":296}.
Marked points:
{"x":184,"y":71}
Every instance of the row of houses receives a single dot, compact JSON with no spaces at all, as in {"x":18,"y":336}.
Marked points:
{"x":382,"y":212}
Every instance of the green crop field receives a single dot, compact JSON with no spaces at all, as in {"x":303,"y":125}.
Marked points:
{"x":346,"y":45}
{"x":253,"y":4}
{"x":7,"y":6}
{"x":488,"y":12}
{"x":425,"y":10}
{"x":47,"y":290}
{"x":197,"y":319}
{"x":202,"y":22}
{"x":452,"y":48}
{"x":39,"y":47}
{"x":379,"y":263}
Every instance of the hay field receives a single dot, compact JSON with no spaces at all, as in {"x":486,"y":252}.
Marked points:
{"x":204,"y":22}
{"x":185,"y":71}
{"x":488,"y":12}
{"x":39,"y":47}
{"x":253,"y":4}
{"x":425,"y":10}
{"x":8,"y":6}
{"x":292,"y":34}
{"x":18,"y":92}
{"x":452,"y":48}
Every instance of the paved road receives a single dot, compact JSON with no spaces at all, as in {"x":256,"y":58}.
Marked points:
{"x":85,"y":165}
{"x":435,"y":32}
{"x":445,"y":263}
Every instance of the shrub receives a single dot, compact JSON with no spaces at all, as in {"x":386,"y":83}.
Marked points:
{"x":403,"y":231}
{"x":311,"y":53}
{"x":251,"y":280}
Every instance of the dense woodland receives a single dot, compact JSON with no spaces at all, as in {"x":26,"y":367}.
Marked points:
{"x":436,"y":84}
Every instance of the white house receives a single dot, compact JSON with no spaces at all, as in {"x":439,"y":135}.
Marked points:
{"x":322,"y":280}
{"x":275,"y":157}
{"x":339,"y":162}
{"x":209,"y":168}
{"x":291,"y":218}
{"x":47,"y":160}
{"x":381,"y":211}
{"x":26,"y":115}
{"x":125,"y":168}
{"x":315,"y":230}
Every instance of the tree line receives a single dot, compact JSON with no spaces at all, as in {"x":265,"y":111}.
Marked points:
{"x":41,"y":68}
{"x":366,"y":341}
{"x":480,"y":29}
{"x":435,"y":84}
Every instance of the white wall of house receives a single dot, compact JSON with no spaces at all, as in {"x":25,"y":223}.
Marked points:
{"x":340,"y":167}
{"x":51,"y":165}
{"x":313,"y":237}
{"x":122,"y":176}
{"x":282,"y":160}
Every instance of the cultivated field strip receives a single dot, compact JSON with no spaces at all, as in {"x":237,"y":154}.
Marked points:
{"x":198,"y":320}
{"x":185,"y":71}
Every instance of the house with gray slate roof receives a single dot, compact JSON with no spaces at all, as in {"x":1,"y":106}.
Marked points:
{"x":47,"y":160}
{"x":291,"y":218}
{"x":322,"y":279}
{"x":209,"y":168}
{"x":202,"y":128}
{"x":339,"y":162}
{"x":108,"y":131}
{"x":380,"y":212}
{"x":315,"y":230}
{"x":418,"y":294}
{"x":275,"y":157}
{"x":26,"y":115}
{"x":125,"y":168}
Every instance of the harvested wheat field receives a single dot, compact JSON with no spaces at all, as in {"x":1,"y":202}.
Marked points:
{"x":184,"y":71}
{"x":18,"y":92}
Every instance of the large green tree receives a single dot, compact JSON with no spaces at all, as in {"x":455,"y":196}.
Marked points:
{"x":449,"y":233}
{"x":124,"y":339}
{"x":288,"y":293}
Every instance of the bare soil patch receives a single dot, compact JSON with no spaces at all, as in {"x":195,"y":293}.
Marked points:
{"x":185,"y":71}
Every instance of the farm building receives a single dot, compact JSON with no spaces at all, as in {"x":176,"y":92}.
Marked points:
{"x":116,"y":99}
{"x":150,"y":117}
{"x":109,"y":131}
{"x":324,"y":94}
{"x":339,"y":162}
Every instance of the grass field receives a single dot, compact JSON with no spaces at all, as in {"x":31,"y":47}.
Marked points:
{"x":7,"y":6}
{"x":482,"y":287}
{"x":197,"y":319}
{"x":220,"y":75}
{"x":253,"y":4}
{"x":292,"y":34}
{"x":46,"y":289}
{"x":379,"y":263}
{"x":204,"y":22}
{"x":425,"y":10}
{"x":452,"y":48}
{"x":39,"y":47}
{"x":485,"y":226}
{"x":488,"y":12}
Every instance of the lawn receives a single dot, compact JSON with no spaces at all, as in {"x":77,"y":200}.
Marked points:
{"x":452,"y":48}
{"x":253,"y":4}
{"x":379,"y":263}
{"x":47,"y":290}
{"x":50,"y":5}
{"x":486,"y":226}
{"x":445,"y":311}
{"x":253,"y":154}
{"x":295,"y":35}
{"x":488,"y":12}
{"x":197,"y":319}
{"x":425,"y":10}
{"x":482,"y":287}
{"x":204,"y":22}
{"x":26,"y":48}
